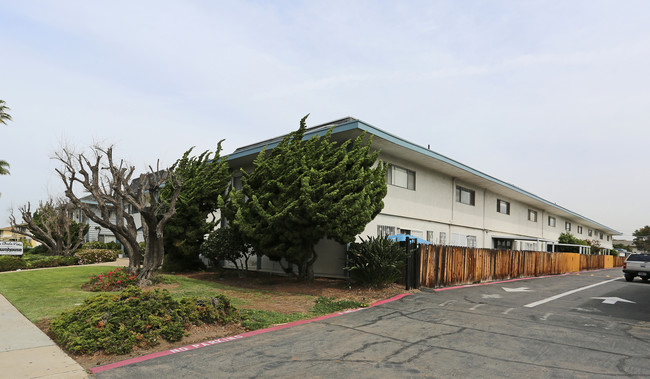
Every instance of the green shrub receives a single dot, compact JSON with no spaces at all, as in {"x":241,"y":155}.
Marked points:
{"x":11,"y":263}
{"x":326,"y":305}
{"x":102,"y":245}
{"x":116,"y":323}
{"x":49,"y":261}
{"x":40,"y":249}
{"x":115,"y":280}
{"x":94,"y":245}
{"x":114,"y":246}
{"x":227,"y":244}
{"x":376,"y":262}
{"x":88,"y":256}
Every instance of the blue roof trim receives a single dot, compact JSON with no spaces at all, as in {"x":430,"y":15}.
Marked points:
{"x":361,"y":125}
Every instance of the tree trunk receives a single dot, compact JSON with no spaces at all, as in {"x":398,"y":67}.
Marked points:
{"x":154,"y":250}
{"x":306,"y":269}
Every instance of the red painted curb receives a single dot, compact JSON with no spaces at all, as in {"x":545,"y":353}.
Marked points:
{"x":199,"y":345}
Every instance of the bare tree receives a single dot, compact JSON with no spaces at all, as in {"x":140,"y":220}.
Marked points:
{"x":52,"y":225}
{"x":110,"y":183}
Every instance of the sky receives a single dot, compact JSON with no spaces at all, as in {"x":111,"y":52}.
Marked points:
{"x":551,"y":96}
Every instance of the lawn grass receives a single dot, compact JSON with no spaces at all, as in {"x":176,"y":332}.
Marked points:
{"x":44,"y":294}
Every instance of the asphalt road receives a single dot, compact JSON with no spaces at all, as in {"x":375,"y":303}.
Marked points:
{"x":570,"y":326}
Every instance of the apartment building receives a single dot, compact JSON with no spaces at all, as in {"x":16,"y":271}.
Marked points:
{"x":443,"y":201}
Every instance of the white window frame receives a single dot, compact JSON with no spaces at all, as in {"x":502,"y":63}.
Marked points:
{"x":567,"y":226}
{"x":532,"y":215}
{"x":551,"y":224}
{"x":579,"y":229}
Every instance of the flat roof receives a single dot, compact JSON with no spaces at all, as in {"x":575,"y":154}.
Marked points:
{"x":350,"y":124}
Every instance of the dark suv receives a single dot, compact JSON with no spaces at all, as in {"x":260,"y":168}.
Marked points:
{"x":637,"y":265}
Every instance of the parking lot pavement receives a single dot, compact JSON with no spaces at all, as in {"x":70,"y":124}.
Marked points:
{"x":481,"y":331}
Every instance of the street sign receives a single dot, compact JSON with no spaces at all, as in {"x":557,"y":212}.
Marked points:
{"x":11,"y":248}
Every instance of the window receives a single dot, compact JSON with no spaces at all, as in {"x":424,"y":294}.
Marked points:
{"x":384,"y":230}
{"x":579,"y":229}
{"x":458,"y":239}
{"x":551,"y":221}
{"x":601,"y":235}
{"x":590,"y":232}
{"x":464,"y":195}
{"x":532,"y":215}
{"x":400,"y":177}
{"x":503,"y":244}
{"x":471,"y":241}
{"x":443,"y":238}
{"x":567,"y":226}
{"x":503,"y":207}
{"x":430,"y":236}
{"x":417,"y":233}
{"x":608,"y":237}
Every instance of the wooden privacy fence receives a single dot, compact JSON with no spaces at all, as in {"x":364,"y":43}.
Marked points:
{"x":453,"y":265}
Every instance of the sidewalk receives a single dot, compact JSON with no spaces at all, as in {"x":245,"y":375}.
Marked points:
{"x":27,"y":352}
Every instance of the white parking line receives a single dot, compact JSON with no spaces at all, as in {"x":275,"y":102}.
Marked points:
{"x":531,"y":305}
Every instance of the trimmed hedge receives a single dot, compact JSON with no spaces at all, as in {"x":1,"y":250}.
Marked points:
{"x":11,"y":263}
{"x":88,"y":256}
{"x":102,"y":245}
{"x":116,"y":323}
{"x":52,"y":261}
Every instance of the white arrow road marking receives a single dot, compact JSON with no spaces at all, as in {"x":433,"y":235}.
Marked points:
{"x":612,"y":300}
{"x":494,"y":296}
{"x":507,"y":311}
{"x":520,"y":289}
{"x":545,"y":317}
{"x":447,"y":303}
{"x":531,"y":305}
{"x":476,"y":307}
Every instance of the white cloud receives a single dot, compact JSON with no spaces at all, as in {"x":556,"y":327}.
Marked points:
{"x":549,"y":96}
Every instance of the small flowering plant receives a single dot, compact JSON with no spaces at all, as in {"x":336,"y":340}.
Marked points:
{"x":115,"y":280}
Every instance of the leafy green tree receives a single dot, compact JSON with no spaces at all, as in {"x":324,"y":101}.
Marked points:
{"x":4,"y":117}
{"x":227,"y":244}
{"x":569,"y":238}
{"x":642,"y":238}
{"x":303,"y":191}
{"x":204,"y":179}
{"x":4,"y":167}
{"x":595,"y":246}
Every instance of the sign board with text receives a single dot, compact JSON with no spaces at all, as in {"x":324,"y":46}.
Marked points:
{"x":11,"y":248}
